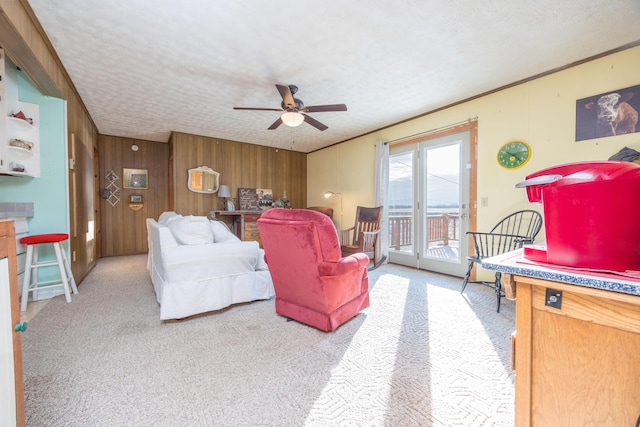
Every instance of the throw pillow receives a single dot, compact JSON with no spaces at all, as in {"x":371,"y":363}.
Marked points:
{"x":221,"y":233}
{"x":191,"y":230}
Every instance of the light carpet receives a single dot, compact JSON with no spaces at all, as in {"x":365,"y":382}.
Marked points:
{"x":421,"y":355}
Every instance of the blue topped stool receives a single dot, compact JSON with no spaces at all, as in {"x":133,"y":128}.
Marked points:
{"x":30,"y":282}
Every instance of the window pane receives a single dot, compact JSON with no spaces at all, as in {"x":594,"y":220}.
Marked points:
{"x":401,"y":202}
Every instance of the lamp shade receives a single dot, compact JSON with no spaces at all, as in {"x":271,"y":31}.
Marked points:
{"x":224,"y":191}
{"x":292,"y":119}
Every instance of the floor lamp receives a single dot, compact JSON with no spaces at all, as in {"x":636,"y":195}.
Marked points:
{"x":328,"y":194}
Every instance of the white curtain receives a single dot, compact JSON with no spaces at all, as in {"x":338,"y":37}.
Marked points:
{"x":382,"y":196}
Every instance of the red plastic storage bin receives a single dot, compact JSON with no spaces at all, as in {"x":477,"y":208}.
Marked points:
{"x":591,"y":215}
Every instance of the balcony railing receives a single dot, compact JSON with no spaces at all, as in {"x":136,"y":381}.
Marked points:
{"x":400,"y":231}
{"x":442,"y":228}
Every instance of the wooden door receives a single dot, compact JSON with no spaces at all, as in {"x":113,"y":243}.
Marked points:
{"x":11,"y":381}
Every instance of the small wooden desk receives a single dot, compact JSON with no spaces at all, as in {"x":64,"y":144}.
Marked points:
{"x":244,"y":223}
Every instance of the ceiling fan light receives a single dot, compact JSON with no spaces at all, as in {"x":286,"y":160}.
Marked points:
{"x":291,"y":118}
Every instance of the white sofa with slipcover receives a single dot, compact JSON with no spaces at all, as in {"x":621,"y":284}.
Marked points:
{"x":197,"y":265}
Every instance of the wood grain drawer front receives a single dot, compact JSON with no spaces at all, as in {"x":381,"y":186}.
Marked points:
{"x":251,"y":217}
{"x":597,"y":308}
{"x":250,"y":226}
{"x":251,"y":235}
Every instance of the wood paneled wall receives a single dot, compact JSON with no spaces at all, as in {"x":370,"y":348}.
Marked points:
{"x":240,"y":166}
{"x":123,"y":230}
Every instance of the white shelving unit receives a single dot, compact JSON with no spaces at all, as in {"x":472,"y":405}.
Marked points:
{"x":19,"y":139}
{"x":21,"y":160}
{"x":3,"y":109}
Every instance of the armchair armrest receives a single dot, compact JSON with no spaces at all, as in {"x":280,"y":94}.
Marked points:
{"x":368,"y":240}
{"x":343,"y":265}
{"x":345,"y":236}
{"x":166,"y":239}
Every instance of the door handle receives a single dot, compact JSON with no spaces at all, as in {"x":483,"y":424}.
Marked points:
{"x":464,"y":216}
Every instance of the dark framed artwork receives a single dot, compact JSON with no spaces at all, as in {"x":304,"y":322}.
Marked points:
{"x":608,"y":114}
{"x":255,"y":199}
{"x":135,"y":178}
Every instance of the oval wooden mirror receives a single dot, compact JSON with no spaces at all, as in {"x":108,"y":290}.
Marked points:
{"x":203,"y":180}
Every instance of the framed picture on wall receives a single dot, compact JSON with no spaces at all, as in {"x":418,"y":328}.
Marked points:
{"x":135,"y":178}
{"x":608,"y":114}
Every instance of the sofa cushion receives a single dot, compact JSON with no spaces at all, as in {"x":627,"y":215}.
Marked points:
{"x":222,"y":234}
{"x":166,"y":217}
{"x":191,"y":230}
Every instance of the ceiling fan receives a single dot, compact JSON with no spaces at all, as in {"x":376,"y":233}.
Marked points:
{"x":294,"y":110}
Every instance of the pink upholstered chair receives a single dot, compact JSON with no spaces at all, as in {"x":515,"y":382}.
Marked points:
{"x":314,"y":284}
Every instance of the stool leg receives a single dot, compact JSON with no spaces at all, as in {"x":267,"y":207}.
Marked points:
{"x":34,"y":274}
{"x":26,"y":278}
{"x":63,"y":275}
{"x":68,"y":268}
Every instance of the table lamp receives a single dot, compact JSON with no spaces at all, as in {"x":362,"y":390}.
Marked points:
{"x":224,"y":193}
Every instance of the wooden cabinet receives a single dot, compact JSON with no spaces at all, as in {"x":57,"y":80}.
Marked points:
{"x":578,"y":364}
{"x":250,"y":228}
{"x":244,"y":224}
{"x":11,"y":381}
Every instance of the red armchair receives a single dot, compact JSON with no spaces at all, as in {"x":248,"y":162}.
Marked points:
{"x":314,"y":284}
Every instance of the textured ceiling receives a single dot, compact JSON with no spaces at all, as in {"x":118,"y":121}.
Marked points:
{"x":145,"y":68}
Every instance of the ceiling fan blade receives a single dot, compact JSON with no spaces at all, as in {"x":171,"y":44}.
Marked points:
{"x":325,"y":108}
{"x":287,"y":97}
{"x":257,"y":109}
{"x":313,"y":122}
{"x":275,"y":124}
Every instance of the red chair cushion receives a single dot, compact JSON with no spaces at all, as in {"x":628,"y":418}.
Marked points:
{"x":37,"y":239}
